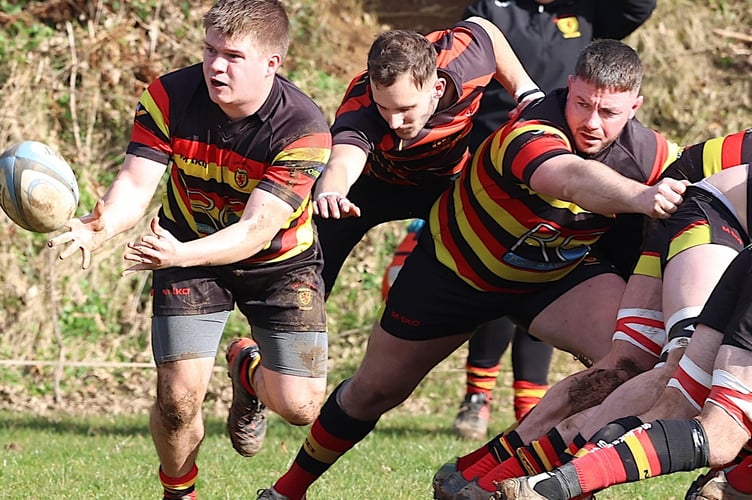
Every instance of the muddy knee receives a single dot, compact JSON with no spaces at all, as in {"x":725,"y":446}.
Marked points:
{"x":177,"y":413}
{"x":299,"y":412}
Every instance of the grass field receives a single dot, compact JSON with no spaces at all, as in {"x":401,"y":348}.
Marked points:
{"x":103,"y":458}
{"x":87,"y":457}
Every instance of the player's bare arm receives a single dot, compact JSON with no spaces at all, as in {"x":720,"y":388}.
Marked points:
{"x":263,"y":217}
{"x":342,"y":170}
{"x":124,"y":203}
{"x":596,"y":187}
{"x":509,"y":70}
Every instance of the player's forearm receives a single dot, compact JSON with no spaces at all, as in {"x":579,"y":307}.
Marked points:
{"x":343,"y":169}
{"x":509,"y":70}
{"x":124,"y":206}
{"x":130,"y":194}
{"x":235,"y":243}
{"x":599,"y":189}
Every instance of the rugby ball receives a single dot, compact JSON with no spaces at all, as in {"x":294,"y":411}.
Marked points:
{"x":38,"y":189}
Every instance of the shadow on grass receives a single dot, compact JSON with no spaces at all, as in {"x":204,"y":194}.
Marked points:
{"x":390,"y":427}
{"x":120,"y":425}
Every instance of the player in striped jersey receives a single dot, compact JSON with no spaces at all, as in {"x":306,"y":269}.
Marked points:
{"x":673,"y":441}
{"x":242,"y":147}
{"x":514,"y":235}
{"x":694,"y":246}
{"x":401,"y":133}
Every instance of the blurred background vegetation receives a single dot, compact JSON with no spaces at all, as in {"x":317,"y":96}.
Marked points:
{"x":72,"y":72}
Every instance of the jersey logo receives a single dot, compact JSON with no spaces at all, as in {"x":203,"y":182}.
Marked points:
{"x":569,"y":26}
{"x":305,"y":299}
{"x":241,"y":177}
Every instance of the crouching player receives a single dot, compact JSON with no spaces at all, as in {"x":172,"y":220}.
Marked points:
{"x":663,"y":446}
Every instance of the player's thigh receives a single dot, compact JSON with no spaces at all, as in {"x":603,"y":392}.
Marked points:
{"x":582,"y":320}
{"x":182,"y":385}
{"x":184,"y":349}
{"x":691,"y":275}
{"x":391,"y":369}
{"x":293,"y":366}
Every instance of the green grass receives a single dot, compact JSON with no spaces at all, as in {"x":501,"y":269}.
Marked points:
{"x":104,"y":457}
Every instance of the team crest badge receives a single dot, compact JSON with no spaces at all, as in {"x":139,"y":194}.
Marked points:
{"x":569,"y":26}
{"x":241,"y":177}
{"x":305,"y":299}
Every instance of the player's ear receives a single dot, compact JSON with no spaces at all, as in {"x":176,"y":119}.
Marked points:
{"x":636,"y":105}
{"x":273,"y":64}
{"x":439,"y":87}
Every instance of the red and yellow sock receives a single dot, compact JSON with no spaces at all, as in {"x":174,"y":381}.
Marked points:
{"x":331,"y":436}
{"x":183,"y":487}
{"x":249,"y":366}
{"x":660,"y":447}
{"x":542,"y":455}
{"x":482,"y":460}
{"x":526,"y":395}
{"x":572,"y":448}
{"x":509,"y":468}
{"x":481,"y":380}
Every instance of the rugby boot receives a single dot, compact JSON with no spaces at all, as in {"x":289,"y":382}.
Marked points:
{"x":272,"y":494}
{"x":448,"y":488}
{"x":472,"y":418}
{"x":715,"y":487}
{"x":443,"y":472}
{"x":516,"y":488}
{"x":473,"y":491}
{"x":246,"y":420}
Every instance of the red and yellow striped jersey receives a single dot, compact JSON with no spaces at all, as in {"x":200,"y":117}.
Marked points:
{"x":710,"y":157}
{"x":215,"y":163}
{"x":500,"y":235}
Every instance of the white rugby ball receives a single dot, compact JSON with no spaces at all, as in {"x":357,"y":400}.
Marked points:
{"x":38,"y":189}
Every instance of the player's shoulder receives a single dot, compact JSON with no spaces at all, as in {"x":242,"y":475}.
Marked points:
{"x":182,"y":82}
{"x":287,"y":102}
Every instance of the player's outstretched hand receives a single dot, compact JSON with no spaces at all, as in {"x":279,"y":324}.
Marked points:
{"x":85,"y":233}
{"x":334,"y":206}
{"x":157,"y":250}
{"x":663,"y":198}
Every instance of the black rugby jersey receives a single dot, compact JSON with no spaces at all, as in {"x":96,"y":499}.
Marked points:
{"x":498,"y":234}
{"x":215,"y":163}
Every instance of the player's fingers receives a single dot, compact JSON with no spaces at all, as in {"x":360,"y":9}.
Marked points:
{"x":149,"y":241}
{"x":132,"y":270}
{"x":322,"y":207}
{"x":334,"y":207}
{"x":60,"y":239}
{"x":85,"y":258}
{"x":69,"y":250}
{"x":344,"y":205}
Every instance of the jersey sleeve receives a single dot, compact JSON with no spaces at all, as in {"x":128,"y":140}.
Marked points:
{"x":298,"y":163}
{"x":150,"y":136}
{"x":710,"y":157}
{"x":524,"y":146}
